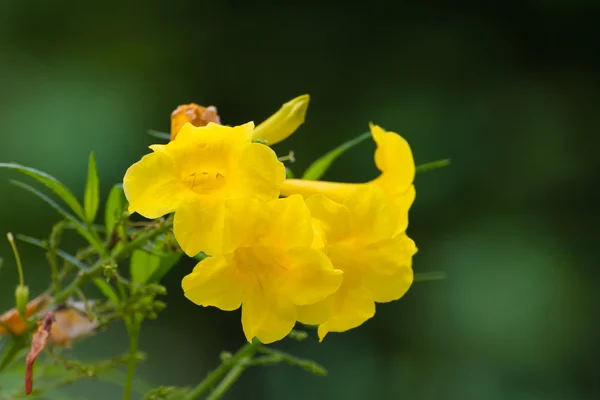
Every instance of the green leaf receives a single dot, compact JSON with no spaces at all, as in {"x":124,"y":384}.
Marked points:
{"x":142,"y":265}
{"x":62,"y":254}
{"x":106,"y":290}
{"x":78,"y":225}
{"x":149,"y":267}
{"x":50,"y":182}
{"x":320,"y":166}
{"x":91,"y":198}
{"x":289,"y":174}
{"x":167,"y":261}
{"x":159,"y":135}
{"x":432,"y":165}
{"x":115,"y":207}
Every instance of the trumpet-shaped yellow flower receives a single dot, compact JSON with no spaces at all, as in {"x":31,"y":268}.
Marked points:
{"x":360,"y":239}
{"x":267,"y":267}
{"x":195,"y":174}
{"x":284,"y":122}
{"x":393,"y":158}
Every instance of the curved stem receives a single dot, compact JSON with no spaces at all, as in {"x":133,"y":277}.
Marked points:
{"x":238,"y":359}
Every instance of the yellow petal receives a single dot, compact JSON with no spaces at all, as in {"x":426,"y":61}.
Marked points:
{"x":266,"y":316}
{"x":394,"y":159}
{"x":258,"y":174}
{"x":215,"y":133}
{"x":290,"y":224}
{"x":386,"y":256}
{"x":317,"y":313}
{"x":246,"y":220}
{"x":214,"y":282}
{"x":284,"y":122}
{"x":151,"y":187}
{"x":306,"y":188}
{"x":198,"y":226}
{"x":351,"y":308}
{"x":371,"y":218}
{"x":332,"y":218}
{"x":386,"y":288}
{"x":309,"y":276}
{"x":400,"y":205}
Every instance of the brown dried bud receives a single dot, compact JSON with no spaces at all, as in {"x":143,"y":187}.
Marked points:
{"x":194,"y":114}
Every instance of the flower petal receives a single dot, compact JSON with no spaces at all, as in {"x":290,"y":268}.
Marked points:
{"x":198,"y":226}
{"x":258,"y":174}
{"x":309,"y":276}
{"x":306,"y":188}
{"x":290,"y":224}
{"x":351,"y":308}
{"x":214,"y":282}
{"x":317,"y":313}
{"x":246,"y":219}
{"x":266,"y":317}
{"x":151,"y":186}
{"x":394,"y":159}
{"x":371,"y":218}
{"x":332,"y":218}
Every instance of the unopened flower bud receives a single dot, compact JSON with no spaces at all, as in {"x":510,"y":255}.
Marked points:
{"x":22,"y":298}
{"x":194,"y":114}
{"x":284,"y":122}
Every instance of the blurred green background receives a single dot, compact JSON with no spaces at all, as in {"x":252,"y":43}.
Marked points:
{"x":507,"y":90}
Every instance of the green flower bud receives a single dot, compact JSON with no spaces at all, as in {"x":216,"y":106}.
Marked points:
{"x":22,"y":298}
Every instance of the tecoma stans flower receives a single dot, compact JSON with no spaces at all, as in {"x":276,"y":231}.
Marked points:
{"x":194,"y":114}
{"x":360,"y":240}
{"x":195,"y":174}
{"x":393,"y":158}
{"x":267,"y":267}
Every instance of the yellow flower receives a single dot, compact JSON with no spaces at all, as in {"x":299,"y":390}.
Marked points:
{"x":284,"y":122}
{"x":195,"y":174}
{"x":360,"y":240}
{"x":393,"y":158}
{"x":194,"y":114}
{"x":267,"y":267}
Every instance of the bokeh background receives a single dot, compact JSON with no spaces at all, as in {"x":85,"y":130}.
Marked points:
{"x":508,"y":90}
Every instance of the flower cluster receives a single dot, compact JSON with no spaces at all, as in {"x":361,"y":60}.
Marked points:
{"x":322,"y":255}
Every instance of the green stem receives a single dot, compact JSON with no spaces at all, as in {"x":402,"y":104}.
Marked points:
{"x":134,"y":330}
{"x":231,"y":377}
{"x":242,"y":355}
{"x":432,"y":165}
{"x":114,"y":256}
{"x":429,"y":276}
{"x":11,"y":240}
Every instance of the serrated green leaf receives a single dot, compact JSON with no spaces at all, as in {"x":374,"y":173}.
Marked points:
{"x":116,"y":204}
{"x":91,"y":198}
{"x":52,"y":183}
{"x":78,"y":225}
{"x":318,"y":168}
